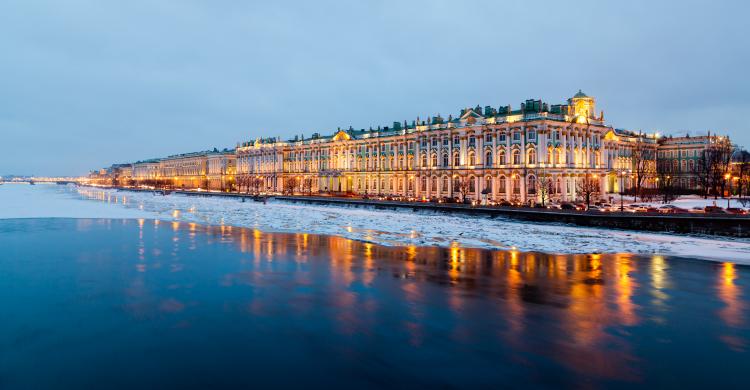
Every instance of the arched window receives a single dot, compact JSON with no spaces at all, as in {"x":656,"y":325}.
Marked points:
{"x":488,"y":158}
{"x":434,"y":184}
{"x":471,"y":159}
{"x":532,"y":156}
{"x":501,"y":185}
{"x":516,"y":157}
{"x":424,"y":159}
{"x":501,"y":158}
{"x":472,"y":184}
{"x":434,"y":160}
{"x":557,"y":156}
{"x":445,"y":184}
{"x":456,"y":160}
{"x":488,"y":184}
{"x":516,"y":184}
{"x":445,"y":160}
{"x":423,"y":185}
{"x":531,"y":187}
{"x":410,"y":185}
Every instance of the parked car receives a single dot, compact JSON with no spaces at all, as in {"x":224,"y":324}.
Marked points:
{"x":671,"y":209}
{"x":697,"y":210}
{"x":554,"y":206}
{"x":595,"y":209}
{"x":714,"y":209}
{"x":636,"y":208}
{"x":736,"y":210}
{"x":568,"y":206}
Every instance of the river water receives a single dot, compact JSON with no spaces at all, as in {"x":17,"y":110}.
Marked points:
{"x":123,"y":303}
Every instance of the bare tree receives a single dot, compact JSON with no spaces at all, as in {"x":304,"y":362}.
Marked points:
{"x":701,"y":171}
{"x":290,"y":185}
{"x":665,"y":184}
{"x":461,"y":186}
{"x":307,"y":185}
{"x":544,"y":187}
{"x":643,"y":162}
{"x":742,"y":162}
{"x":587,"y":186}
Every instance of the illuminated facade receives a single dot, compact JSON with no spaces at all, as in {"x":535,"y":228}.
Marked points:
{"x":678,"y":157}
{"x":499,"y":154}
{"x":221,"y":168}
{"x":520,"y":155}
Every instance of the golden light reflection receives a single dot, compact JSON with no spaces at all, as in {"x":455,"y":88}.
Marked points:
{"x":730,"y":294}
{"x":625,"y":286}
{"x":659,"y":280}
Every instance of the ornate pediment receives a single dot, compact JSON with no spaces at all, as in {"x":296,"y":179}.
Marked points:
{"x":342,"y":136}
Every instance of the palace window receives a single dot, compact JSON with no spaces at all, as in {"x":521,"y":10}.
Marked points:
{"x":471,"y":159}
{"x":445,"y":184}
{"x":423,"y":185}
{"x":501,"y":185}
{"x":446,"y":141}
{"x":501,"y":158}
{"x":532,"y":134}
{"x":502,"y":138}
{"x":516,"y":136}
{"x":488,"y":158}
{"x":532,"y":156}
{"x":424,"y":159}
{"x":434,"y":142}
{"x":456,"y":140}
{"x":472,"y":141}
{"x":456,"y":160}
{"x":434,"y":184}
{"x":488,"y":138}
{"x":532,"y":185}
{"x":434,"y":160}
{"x":516,"y":157}
{"x":488,"y":183}
{"x":472,"y":184}
{"x":445,"y":160}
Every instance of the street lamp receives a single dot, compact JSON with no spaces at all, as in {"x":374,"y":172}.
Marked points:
{"x":729,"y":190}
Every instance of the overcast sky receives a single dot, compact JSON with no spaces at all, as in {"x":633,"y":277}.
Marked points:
{"x":88,"y":83}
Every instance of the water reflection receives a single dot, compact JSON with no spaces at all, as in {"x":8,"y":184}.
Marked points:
{"x":398,"y":312}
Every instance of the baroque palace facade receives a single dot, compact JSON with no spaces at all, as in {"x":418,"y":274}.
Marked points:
{"x":492,"y":153}
{"x":501,"y":153}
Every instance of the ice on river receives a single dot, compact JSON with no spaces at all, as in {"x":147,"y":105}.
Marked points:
{"x":386,"y":227}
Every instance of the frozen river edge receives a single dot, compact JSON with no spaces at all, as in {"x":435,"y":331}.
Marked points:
{"x":384,"y":227}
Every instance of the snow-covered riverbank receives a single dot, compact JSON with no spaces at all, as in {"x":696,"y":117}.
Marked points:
{"x":386,"y":227}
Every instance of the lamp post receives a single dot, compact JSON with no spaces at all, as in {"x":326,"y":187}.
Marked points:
{"x":622,"y":190}
{"x":729,"y":188}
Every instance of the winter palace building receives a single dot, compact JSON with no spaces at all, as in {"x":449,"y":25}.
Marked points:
{"x":515,"y":154}
{"x":498,"y":153}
